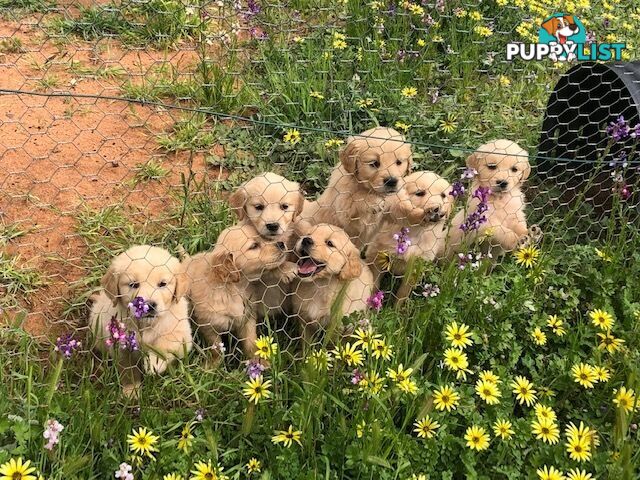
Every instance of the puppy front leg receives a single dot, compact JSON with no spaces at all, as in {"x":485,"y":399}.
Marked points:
{"x":249,"y":336}
{"x":156,"y":364}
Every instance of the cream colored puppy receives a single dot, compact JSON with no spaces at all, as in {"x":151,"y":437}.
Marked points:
{"x":422,"y":206}
{"x":226,"y":284}
{"x":372,"y":166}
{"x":163,"y":332}
{"x":270,"y":203}
{"x":502,"y":167}
{"x":328,"y":262}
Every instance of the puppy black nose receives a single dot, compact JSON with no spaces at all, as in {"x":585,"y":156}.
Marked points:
{"x":391,"y":182}
{"x":503,"y":184}
{"x":273,"y":227}
{"x":307,"y":241}
{"x":152,"y":306}
{"x":280,"y":245}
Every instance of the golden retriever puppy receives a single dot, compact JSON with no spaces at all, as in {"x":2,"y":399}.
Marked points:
{"x":226,"y":284}
{"x":327,"y":262}
{"x":372,"y":166}
{"x":154,"y":278}
{"x":415,"y":225}
{"x":270,"y":203}
{"x":502,"y":166}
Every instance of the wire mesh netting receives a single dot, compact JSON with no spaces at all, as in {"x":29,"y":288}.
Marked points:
{"x":204,"y":190}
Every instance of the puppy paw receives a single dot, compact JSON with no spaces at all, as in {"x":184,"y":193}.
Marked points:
{"x":155,"y":364}
{"x":288,"y":271}
{"x":535,"y":233}
{"x":131,"y":390}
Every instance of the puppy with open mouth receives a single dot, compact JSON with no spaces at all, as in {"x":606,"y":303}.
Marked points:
{"x":415,"y":225}
{"x":143,"y":293}
{"x":327,"y":264}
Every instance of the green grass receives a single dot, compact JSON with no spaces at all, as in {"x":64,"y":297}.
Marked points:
{"x":150,"y":171}
{"x":11,"y":45}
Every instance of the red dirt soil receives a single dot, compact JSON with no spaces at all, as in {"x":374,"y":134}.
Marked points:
{"x":58,"y":155}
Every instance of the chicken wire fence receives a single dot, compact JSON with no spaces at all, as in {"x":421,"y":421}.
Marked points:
{"x":138,"y":122}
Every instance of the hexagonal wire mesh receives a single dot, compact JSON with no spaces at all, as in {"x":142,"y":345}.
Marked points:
{"x":131,"y":123}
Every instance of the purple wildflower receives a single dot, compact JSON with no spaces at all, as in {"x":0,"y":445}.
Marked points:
{"x":200,"y":414}
{"x":253,"y":8}
{"x":51,"y":432}
{"x":468,"y":174}
{"x":254,"y":368}
{"x":139,"y":307}
{"x":357,"y":377}
{"x":606,"y":22}
{"x":430,"y":290}
{"x":66,"y":345}
{"x":402,"y":241}
{"x":591,"y":38}
{"x":636,"y":131}
{"x":440,"y":5}
{"x":258,"y":34}
{"x":375,"y":300}
{"x":471,"y":259}
{"x":428,"y":20}
{"x":124,"y":472}
{"x":119,"y":336}
{"x":619,"y":130}
{"x":457,"y":190}
{"x":477,"y":217}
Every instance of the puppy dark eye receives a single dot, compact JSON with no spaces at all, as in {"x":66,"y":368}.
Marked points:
{"x":420,"y":193}
{"x":398,"y":162}
{"x":162,"y":284}
{"x":259,"y":207}
{"x":492,"y":166}
{"x":254,"y":246}
{"x":330,"y":244}
{"x":514,"y":169}
{"x":443,"y":195}
{"x":134,"y":285}
{"x":375,"y":164}
{"x":284,"y":206}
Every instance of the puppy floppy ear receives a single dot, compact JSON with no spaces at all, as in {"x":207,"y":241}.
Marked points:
{"x":527,"y":166}
{"x":110,"y":284}
{"x":237,"y":201}
{"x":350,"y":153}
{"x":551,"y":25}
{"x":222,"y":268}
{"x":299,"y":205}
{"x":183,"y":282}
{"x":353,"y":268}
{"x":473,"y":160}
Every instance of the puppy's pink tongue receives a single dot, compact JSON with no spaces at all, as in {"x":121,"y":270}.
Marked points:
{"x":307,"y":267}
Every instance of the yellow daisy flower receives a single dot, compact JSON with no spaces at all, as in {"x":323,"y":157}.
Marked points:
{"x":409,"y":92}
{"x":504,"y":81}
{"x":603,"y":255}
{"x":266,"y":346}
{"x":186,"y":438}
{"x":333,"y":142}
{"x":381,"y":350}
{"x":579,"y":449}
{"x":400,"y":374}
{"x":402,"y":126}
{"x":459,"y":336}
{"x":142,"y":442}
{"x":538,"y":336}
{"x":489,"y":376}
{"x":549,"y":473}
{"x":609,"y":343}
{"x":488,"y":392}
{"x":253,"y":466}
{"x":349,"y":354}
{"x":205,"y":471}
{"x":477,"y":438}
{"x":556,"y":325}
{"x":446,"y":398}
{"x":625,"y":399}
{"x":455,"y":359}
{"x":256,"y":389}
{"x":546,"y":430}
{"x":172,"y":476}
{"x":544,"y":412}
{"x":421,"y":42}
{"x":475,"y":15}
{"x":601,"y":319}
{"x":577,"y":474}
{"x":450,"y":124}
{"x":316,"y":94}
{"x":584,"y":374}
{"x":523,"y":388}
{"x":287,"y":437}
{"x":364,"y":338}
{"x":527,"y":256}
{"x":603,"y":374}
{"x":292,"y":136}
{"x":483,"y":31}
{"x":503,"y":429}
{"x":426,"y":427}
{"x":17,"y":470}
{"x":372,"y":383}
{"x":408,"y":386}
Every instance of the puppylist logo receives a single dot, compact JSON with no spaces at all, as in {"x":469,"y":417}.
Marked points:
{"x":563,"y":38}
